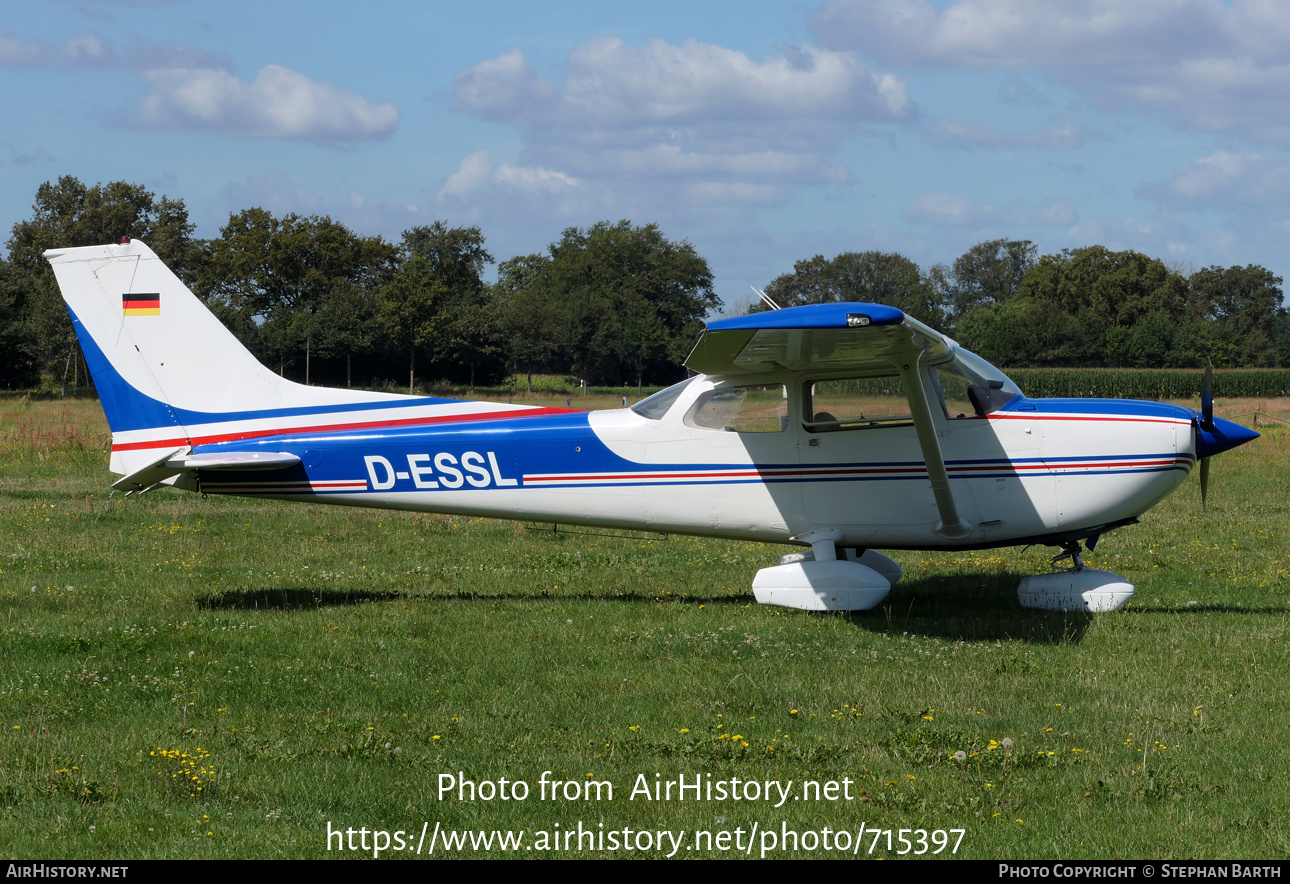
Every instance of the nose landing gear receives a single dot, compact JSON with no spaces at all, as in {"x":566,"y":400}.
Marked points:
{"x":1073,"y":587}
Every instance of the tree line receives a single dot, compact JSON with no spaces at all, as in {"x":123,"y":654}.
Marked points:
{"x":1088,"y":307}
{"x":614,"y":303}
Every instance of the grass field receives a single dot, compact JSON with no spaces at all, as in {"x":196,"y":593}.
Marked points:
{"x":225,"y":678}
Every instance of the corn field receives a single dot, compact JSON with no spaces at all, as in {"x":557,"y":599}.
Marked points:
{"x":1148,"y":383}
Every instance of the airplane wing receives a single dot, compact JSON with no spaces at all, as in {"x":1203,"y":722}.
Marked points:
{"x":816,"y":336}
{"x":868,"y":338}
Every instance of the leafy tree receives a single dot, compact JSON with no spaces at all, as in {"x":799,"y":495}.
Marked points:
{"x":456,"y":255}
{"x":1110,"y":294}
{"x":18,"y":350}
{"x":632,"y":300}
{"x":1023,"y":333}
{"x":70,"y":214}
{"x":531,"y":319}
{"x":469,"y":335}
{"x":873,"y":277}
{"x":348,"y":323}
{"x":410,"y":307}
{"x":1118,"y":287}
{"x":1146,"y":343}
{"x":271,"y":279}
{"x":811,"y":282}
{"x":990,"y":273}
{"x":1245,"y":306}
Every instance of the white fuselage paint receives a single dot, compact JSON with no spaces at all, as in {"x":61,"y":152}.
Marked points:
{"x":1013,"y":475}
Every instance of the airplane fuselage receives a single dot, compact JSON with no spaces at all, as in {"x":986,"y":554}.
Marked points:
{"x":1033,"y":470}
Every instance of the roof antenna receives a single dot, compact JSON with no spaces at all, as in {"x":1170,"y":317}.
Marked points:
{"x":765,"y":298}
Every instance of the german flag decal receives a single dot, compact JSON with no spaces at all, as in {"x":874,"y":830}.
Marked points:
{"x":141,"y":305}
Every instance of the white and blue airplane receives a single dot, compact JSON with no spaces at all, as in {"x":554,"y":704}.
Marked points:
{"x":843,"y":428}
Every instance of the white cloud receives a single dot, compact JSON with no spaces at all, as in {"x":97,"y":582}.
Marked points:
{"x":280,"y":194}
{"x":701,"y":161}
{"x":608,"y":83}
{"x":691,"y":124}
{"x":1025,"y":33}
{"x":476,"y":173}
{"x":941,"y":209}
{"x":494,"y":194}
{"x":959,"y":131}
{"x":948,"y":210}
{"x":1156,"y":236}
{"x":733,"y":193}
{"x":506,"y":89}
{"x":1225,"y":180}
{"x":88,"y":51}
{"x":18,"y":53}
{"x":616,"y":84}
{"x":280,"y":103}
{"x":1201,"y":64}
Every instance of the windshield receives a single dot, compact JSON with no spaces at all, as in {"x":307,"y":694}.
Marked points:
{"x":654,"y":407}
{"x":974,"y":366}
{"x":967,"y":385}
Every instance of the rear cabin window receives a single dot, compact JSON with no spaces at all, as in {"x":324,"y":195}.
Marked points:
{"x":855,"y":404}
{"x":753,"y":409}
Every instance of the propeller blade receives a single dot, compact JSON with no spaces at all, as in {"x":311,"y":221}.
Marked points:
{"x":1204,"y":481}
{"x":1207,"y":397}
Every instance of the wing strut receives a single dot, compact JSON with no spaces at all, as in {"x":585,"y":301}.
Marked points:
{"x":952,"y":525}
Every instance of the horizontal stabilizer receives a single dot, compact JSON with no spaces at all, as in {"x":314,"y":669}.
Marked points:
{"x":236,"y":460}
{"x":180,"y":461}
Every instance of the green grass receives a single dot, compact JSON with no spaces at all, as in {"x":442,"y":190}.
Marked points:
{"x":324,"y":665}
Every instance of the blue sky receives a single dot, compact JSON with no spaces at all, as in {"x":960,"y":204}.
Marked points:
{"x":762,"y":132}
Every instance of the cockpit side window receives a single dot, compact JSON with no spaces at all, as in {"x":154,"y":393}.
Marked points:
{"x":762,"y":408}
{"x":954,"y":391}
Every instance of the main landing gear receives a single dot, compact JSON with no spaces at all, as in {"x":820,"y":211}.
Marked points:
{"x":1074,"y":587}
{"x":821,"y":581}
{"x":831,"y":579}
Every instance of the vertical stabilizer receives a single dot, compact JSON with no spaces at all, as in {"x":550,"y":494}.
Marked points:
{"x":161,"y":361}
